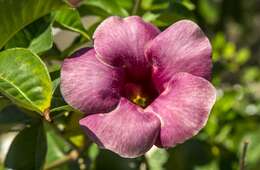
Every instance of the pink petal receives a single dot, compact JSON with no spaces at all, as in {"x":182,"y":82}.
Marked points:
{"x":127,"y":130}
{"x":89,"y":85}
{"x":182,"y":47}
{"x":183,"y":108}
{"x":120,"y":42}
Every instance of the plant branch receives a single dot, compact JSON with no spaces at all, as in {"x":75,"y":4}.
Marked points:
{"x":73,"y":155}
{"x":46,"y":114}
{"x":243,"y":156}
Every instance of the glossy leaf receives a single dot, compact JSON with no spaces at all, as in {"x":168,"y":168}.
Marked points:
{"x":70,"y":19}
{"x":15,"y":15}
{"x":36,"y":36}
{"x":43,"y":42}
{"x":11,"y":116}
{"x":31,"y":144}
{"x":24,"y":79}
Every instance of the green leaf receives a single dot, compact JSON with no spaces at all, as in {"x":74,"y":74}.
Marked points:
{"x":3,"y":102}
{"x":37,"y":36}
{"x":90,"y":10}
{"x":28,"y":150}
{"x":243,"y":55}
{"x":70,"y":19}
{"x":43,"y":42}
{"x":57,"y":148}
{"x":111,"y":6}
{"x":24,"y":79}
{"x":11,"y":116}
{"x":55,"y":84}
{"x":92,"y":153}
{"x":229,"y":50}
{"x":16,"y":14}
{"x":157,"y":158}
{"x":171,"y":13}
{"x":149,"y":17}
{"x":211,"y":166}
{"x":209,"y":10}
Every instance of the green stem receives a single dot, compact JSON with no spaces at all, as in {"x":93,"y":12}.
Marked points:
{"x":243,"y":156}
{"x":136,"y":7}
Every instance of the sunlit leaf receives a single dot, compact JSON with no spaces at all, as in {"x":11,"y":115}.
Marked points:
{"x":70,"y":19}
{"x":229,"y":50}
{"x":15,"y":15}
{"x":156,"y":159}
{"x":43,"y":42}
{"x":24,"y":79}
{"x":243,"y":55}
{"x":92,"y":154}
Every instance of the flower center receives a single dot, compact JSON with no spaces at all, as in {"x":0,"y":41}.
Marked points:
{"x":140,"y":92}
{"x":139,"y":100}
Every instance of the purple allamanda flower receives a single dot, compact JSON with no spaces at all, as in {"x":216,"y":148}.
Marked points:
{"x":140,"y":87}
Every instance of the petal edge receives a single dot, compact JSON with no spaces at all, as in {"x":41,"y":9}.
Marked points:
{"x":187,"y":102}
{"x":127,"y":130}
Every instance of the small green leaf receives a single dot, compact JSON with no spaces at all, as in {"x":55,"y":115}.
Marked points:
{"x":209,"y":10}
{"x":149,"y":17}
{"x":86,"y":10}
{"x":229,"y":50}
{"x":57,"y":148}
{"x":111,"y":6}
{"x":92,"y":154}
{"x":28,"y":150}
{"x":36,"y":36}
{"x":24,"y":79}
{"x":15,"y":15}
{"x":43,"y":42}
{"x":70,"y":19}
{"x":157,"y":158}
{"x":243,"y":55}
{"x":55,"y":84}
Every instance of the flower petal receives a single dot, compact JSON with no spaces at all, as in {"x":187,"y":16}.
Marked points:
{"x":182,"y":47}
{"x":183,"y":108}
{"x":120,"y":42}
{"x":127,"y":130}
{"x":89,"y":85}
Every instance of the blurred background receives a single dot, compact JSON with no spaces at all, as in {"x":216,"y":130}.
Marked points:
{"x":233,"y":27}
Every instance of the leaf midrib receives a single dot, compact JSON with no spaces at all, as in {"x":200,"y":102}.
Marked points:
{"x":21,"y":92}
